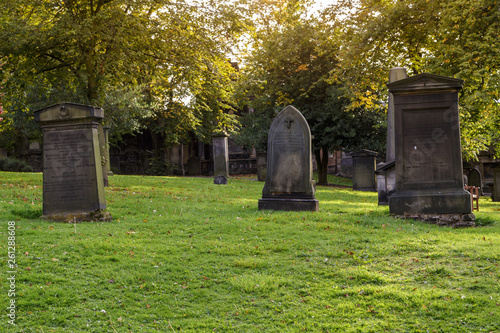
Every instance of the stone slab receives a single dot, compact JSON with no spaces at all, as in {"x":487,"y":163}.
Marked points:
{"x":364,"y":164}
{"x":428,"y":202}
{"x":448,"y":220}
{"x":288,"y":204}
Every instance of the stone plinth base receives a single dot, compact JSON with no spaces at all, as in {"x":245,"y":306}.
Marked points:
{"x":447,"y":220}
{"x":289,"y":204}
{"x":429,"y":202}
{"x":76,"y":217}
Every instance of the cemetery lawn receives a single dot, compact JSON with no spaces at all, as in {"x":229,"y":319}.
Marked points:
{"x":185,"y":255}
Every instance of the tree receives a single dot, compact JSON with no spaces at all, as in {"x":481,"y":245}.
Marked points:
{"x":457,"y":38}
{"x":468,"y":47}
{"x":159,"y":53}
{"x":290,"y":65}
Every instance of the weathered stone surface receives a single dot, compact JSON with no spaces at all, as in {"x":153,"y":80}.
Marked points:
{"x":363,"y":165}
{"x":395,"y":74}
{"x":289,"y":184}
{"x":73,"y":182}
{"x":447,"y":220}
{"x":386,"y":182}
{"x":220,"y":180}
{"x":386,"y":174}
{"x":495,"y":195}
{"x":474,"y":179}
{"x":428,"y":151}
{"x":221,"y":157}
{"x":261,"y":162}
{"x":194,"y":166}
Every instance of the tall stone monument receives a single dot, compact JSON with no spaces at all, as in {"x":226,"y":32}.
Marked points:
{"x":386,"y":173}
{"x":495,"y":195}
{"x":289,"y":177}
{"x":73,"y":182}
{"x":221,"y":159}
{"x":363,"y":166}
{"x":429,"y":182}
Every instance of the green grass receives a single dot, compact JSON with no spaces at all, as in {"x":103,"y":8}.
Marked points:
{"x":184,"y":255}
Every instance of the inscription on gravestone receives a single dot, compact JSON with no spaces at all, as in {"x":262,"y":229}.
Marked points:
{"x":289,"y":185}
{"x":428,"y":151}
{"x":69,"y":166}
{"x":73,"y":184}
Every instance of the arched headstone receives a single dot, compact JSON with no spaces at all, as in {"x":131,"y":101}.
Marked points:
{"x":474,"y":179}
{"x":289,"y":185}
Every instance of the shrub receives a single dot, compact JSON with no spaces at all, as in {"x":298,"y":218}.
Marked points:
{"x":157,"y":167}
{"x":14,"y":164}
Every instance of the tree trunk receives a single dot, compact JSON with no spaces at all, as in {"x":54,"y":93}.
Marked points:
{"x":92,"y":79}
{"x":322,"y":162}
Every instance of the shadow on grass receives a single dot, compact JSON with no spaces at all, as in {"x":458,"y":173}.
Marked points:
{"x":28,"y":213}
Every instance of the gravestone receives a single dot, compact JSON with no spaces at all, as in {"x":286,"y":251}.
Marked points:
{"x":386,"y":174}
{"x":221,"y":159}
{"x":289,"y":176}
{"x":495,"y":195}
{"x":474,"y":179}
{"x":261,"y":162}
{"x":429,"y":182}
{"x":103,"y":152}
{"x":107,"y":159}
{"x":73,"y":183}
{"x":363,"y":167}
{"x":194,"y":166}
{"x":386,"y":181}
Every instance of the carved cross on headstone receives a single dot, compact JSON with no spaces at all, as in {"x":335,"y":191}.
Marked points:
{"x":288,"y":122}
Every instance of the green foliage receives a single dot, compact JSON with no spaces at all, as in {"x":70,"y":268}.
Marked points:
{"x":158,"y":167}
{"x":457,"y":38}
{"x":290,"y":64}
{"x":183,"y":254}
{"x":14,"y":164}
{"x":141,"y":61}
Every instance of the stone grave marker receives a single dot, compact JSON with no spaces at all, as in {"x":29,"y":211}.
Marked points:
{"x":386,"y":181}
{"x":429,"y":182}
{"x":289,"y":182}
{"x":495,"y":195}
{"x":104,"y":153}
{"x":386,"y":174}
{"x":363,"y":167}
{"x":474,"y":179}
{"x":73,"y":182}
{"x":221,"y":159}
{"x":194,"y":166}
{"x":261,"y":162}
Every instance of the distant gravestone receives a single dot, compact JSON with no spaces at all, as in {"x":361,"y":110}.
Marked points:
{"x":103,"y":153}
{"x":73,"y":183}
{"x":386,"y":182}
{"x":429,"y":182}
{"x":107,"y":159}
{"x":289,"y":185}
{"x":495,"y":195}
{"x":261,"y":162}
{"x":474,"y":179}
{"x":221,"y":159}
{"x":194,"y":166}
{"x":363,"y":168}
{"x":386,"y":174}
